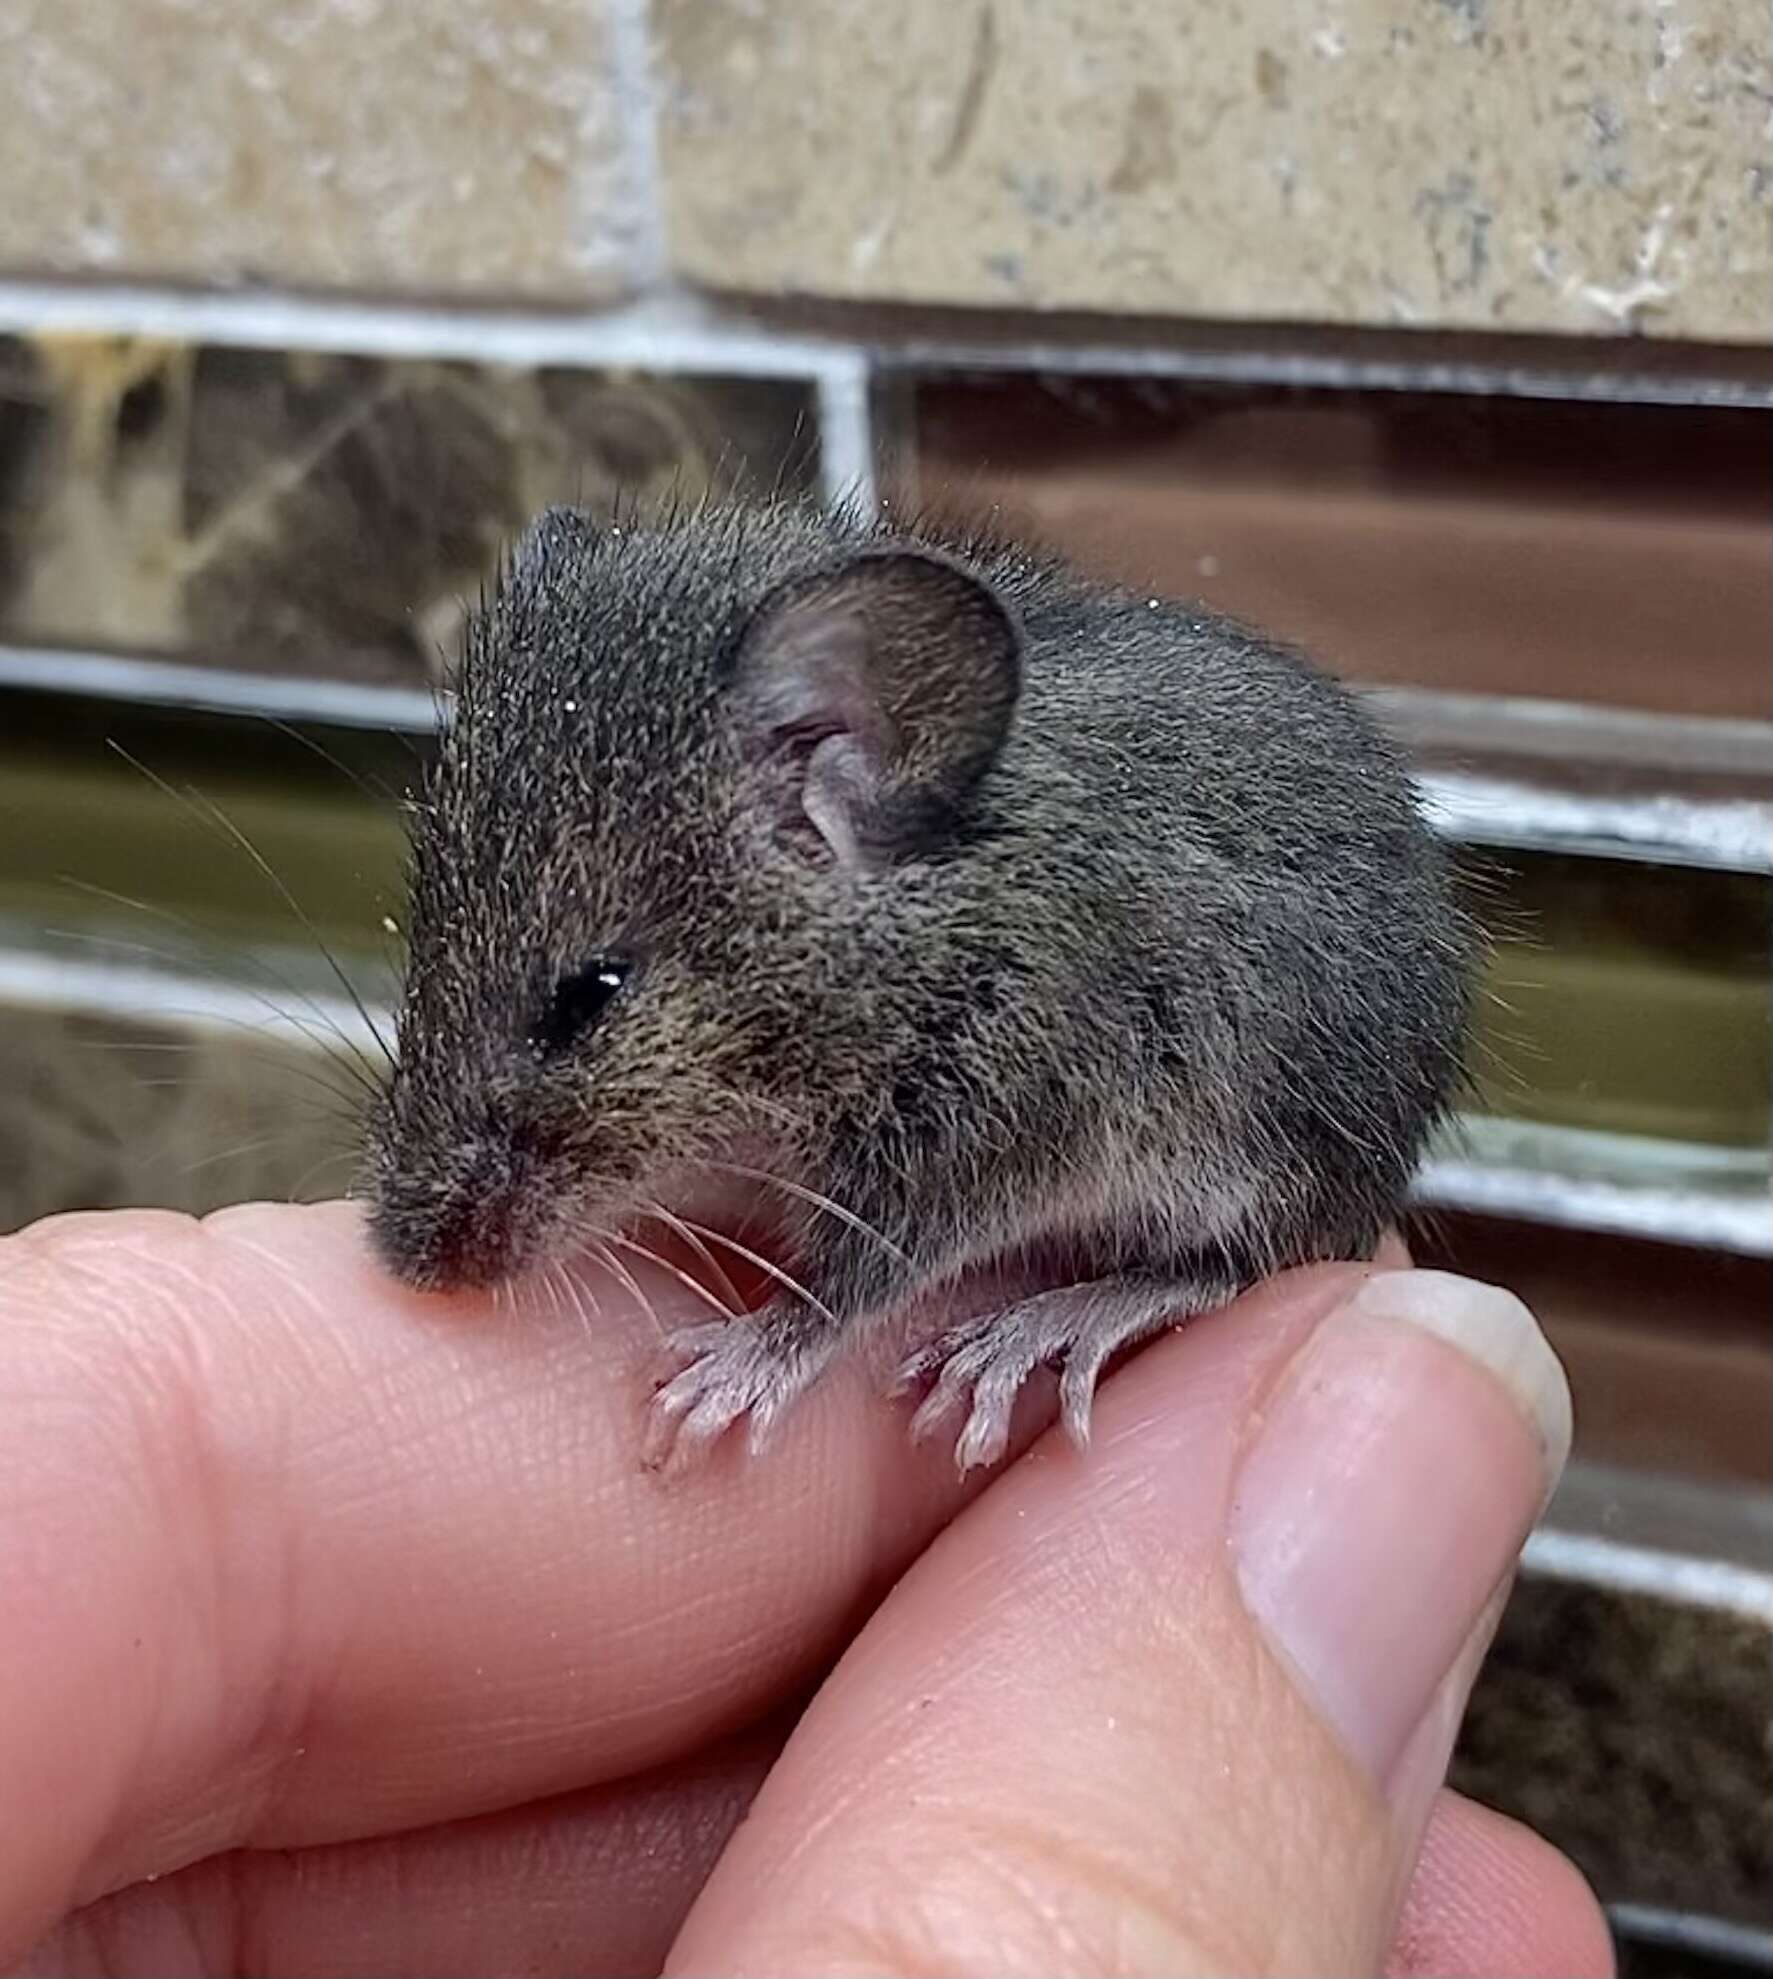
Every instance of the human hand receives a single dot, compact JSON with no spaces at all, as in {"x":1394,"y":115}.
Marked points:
{"x":344,"y":1632}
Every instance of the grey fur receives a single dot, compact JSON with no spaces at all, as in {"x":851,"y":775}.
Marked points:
{"x":1171,"y":985}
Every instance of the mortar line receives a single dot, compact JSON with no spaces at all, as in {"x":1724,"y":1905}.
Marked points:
{"x":637,"y":105}
{"x":675,"y":332}
{"x":846,"y":434}
{"x":1632,"y":1569}
{"x":681,"y":329}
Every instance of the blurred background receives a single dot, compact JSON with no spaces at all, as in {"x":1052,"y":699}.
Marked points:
{"x":1435,"y":334}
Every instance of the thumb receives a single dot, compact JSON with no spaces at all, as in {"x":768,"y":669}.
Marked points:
{"x":1180,"y":1704}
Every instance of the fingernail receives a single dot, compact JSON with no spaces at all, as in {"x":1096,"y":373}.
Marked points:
{"x":1391,"y":1479}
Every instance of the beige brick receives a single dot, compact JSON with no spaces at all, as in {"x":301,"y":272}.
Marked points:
{"x":385,"y":144}
{"x":1502,"y":164}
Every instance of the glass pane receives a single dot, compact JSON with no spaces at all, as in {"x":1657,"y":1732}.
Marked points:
{"x":1589,"y":552}
{"x":310,"y":512}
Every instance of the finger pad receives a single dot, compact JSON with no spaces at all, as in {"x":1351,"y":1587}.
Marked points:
{"x":1491,"y":1900}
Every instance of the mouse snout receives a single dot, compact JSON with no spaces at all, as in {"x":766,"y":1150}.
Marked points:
{"x":472,"y":1221}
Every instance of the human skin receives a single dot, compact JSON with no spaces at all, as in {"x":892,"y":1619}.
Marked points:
{"x":346,"y":1633}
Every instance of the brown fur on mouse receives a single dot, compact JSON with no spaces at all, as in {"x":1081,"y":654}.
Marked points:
{"x":987,"y":908}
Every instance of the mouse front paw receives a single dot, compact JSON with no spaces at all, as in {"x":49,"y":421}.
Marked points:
{"x":730,"y":1370}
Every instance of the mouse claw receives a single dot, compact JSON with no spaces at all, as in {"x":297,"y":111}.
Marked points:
{"x":968,"y":1364}
{"x":919,"y":1369}
{"x":935,"y":1409}
{"x":732,"y":1371}
{"x":679,"y":1427}
{"x":985,"y":1360}
{"x":987,"y":1434}
{"x":664,"y":1446}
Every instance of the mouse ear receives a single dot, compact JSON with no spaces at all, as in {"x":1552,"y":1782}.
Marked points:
{"x":881,"y":692}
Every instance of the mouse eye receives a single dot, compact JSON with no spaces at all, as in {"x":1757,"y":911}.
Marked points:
{"x":577,"y":1003}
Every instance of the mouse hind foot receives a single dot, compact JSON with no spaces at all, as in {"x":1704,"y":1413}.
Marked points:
{"x":1078,"y":1328}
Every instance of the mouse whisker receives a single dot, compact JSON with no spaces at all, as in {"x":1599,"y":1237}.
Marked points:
{"x":567,"y":1298}
{"x":770,"y":1270}
{"x":302,"y":915}
{"x":578,"y":1296}
{"x":683,"y":1277}
{"x":298,"y":1191}
{"x":283,"y":1062}
{"x":574,"y":1300}
{"x":702,"y":1251}
{"x":235,"y":1153}
{"x":373,"y":787}
{"x":818,"y":1200}
{"x":186,"y":1045}
{"x":202,"y":807}
{"x":551,"y":1279}
{"x":319,"y":1029}
{"x":625,"y":1278}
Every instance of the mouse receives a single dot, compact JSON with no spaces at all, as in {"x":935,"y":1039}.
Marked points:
{"x":978,"y":911}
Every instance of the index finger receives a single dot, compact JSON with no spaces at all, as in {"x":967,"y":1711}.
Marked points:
{"x":290,"y":1554}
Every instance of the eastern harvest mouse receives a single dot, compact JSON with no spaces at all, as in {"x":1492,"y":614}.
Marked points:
{"x":988,"y":909}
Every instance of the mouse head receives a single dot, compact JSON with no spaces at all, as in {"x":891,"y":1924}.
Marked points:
{"x":670,"y":869}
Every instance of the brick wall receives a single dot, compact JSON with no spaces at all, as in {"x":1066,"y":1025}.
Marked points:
{"x":1433,"y":333}
{"x":1490,"y":164}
